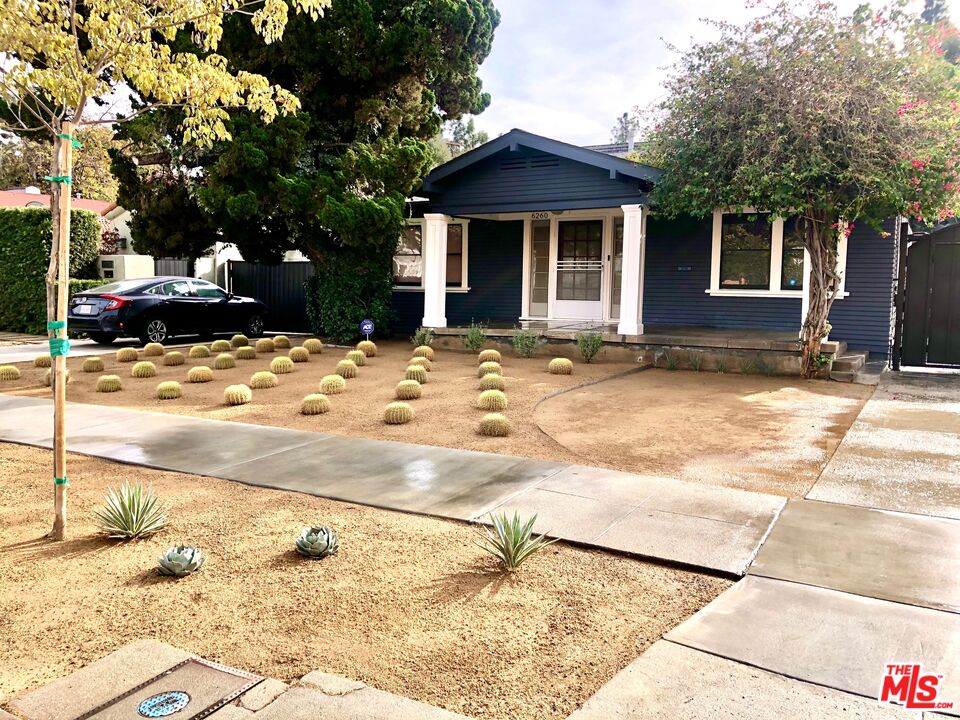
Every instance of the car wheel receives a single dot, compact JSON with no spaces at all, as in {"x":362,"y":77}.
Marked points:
{"x":103,"y":338}
{"x":255,"y":326}
{"x":154,"y":331}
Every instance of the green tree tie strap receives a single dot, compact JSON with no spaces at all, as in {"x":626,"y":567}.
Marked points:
{"x":73,"y":141}
{"x":62,"y":179}
{"x":56,"y":324}
{"x":61,"y":481}
{"x":59,"y":346}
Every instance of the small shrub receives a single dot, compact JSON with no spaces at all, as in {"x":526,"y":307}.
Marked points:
{"x":489,"y":356}
{"x":475,"y":337}
{"x":315,"y":404}
{"x":9,"y":372}
{"x":416,"y":372}
{"x":510,"y":540}
{"x":494,"y":425}
{"x":169,"y":390}
{"x":747,"y":366}
{"x":560,"y":366}
{"x":263,"y":380}
{"x":238,"y":341}
{"x":245,"y":352}
{"x":722,"y":364}
{"x":143,"y":369}
{"x":317,"y":542}
{"x":422,"y":362}
{"x":219,"y":346}
{"x":180,"y":561}
{"x":153,"y":350}
{"x":237,"y":395}
{"x":224,"y":361}
{"x":48,"y":377}
{"x":127,"y":354}
{"x":422,"y":337}
{"x":281,"y":342}
{"x":92,"y":364}
{"x":525,"y":342}
{"x":199,"y":374}
{"x":492,"y":382}
{"x":358,"y":357}
{"x":199,"y":351}
{"x":398,"y":413}
{"x":109,"y":384}
{"x":492,"y":400}
{"x":821,"y":360}
{"x":332,"y":384}
{"x":299,"y":354}
{"x":589,"y":344}
{"x":281,"y":365}
{"x":409,"y":390}
{"x":765,"y":367}
{"x":265,"y":345}
{"x":173,"y":358}
{"x":424,"y":351}
{"x":133,"y":511}
{"x":367,"y":347}
{"x":487,"y":368}
{"x":696,"y":361}
{"x":313,"y":346}
{"x":44,"y":361}
{"x":670,"y":361}
{"x":346,"y":369}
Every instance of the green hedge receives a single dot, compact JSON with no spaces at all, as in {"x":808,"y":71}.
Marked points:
{"x":25,"y":235}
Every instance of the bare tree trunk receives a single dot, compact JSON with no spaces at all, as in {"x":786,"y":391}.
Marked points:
{"x":820,"y":239}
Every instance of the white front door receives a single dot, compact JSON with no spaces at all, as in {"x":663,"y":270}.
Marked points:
{"x":579,"y":270}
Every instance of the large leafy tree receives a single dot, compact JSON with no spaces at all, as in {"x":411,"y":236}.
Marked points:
{"x":809,"y":112}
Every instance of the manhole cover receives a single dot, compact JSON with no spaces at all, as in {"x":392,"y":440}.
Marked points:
{"x":190,"y":690}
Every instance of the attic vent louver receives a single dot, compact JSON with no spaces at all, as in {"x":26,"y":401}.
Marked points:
{"x":519,"y":164}
{"x":547,"y":161}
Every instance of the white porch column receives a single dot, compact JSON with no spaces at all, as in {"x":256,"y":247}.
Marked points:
{"x":434,"y":253}
{"x":631,"y":282}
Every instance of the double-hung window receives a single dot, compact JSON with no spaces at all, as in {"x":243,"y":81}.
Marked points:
{"x":408,"y":259}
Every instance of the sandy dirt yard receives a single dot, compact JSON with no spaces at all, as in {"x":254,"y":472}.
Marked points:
{"x":409,"y":605}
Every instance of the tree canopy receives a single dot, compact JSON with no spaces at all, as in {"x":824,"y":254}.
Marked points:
{"x":625,"y":128}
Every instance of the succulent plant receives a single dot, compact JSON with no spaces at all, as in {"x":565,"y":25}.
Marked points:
{"x":317,"y":542}
{"x":199,"y":351}
{"x":488,"y":368}
{"x":265,"y":345}
{"x":245,"y":352}
{"x":398,"y":413}
{"x":42,"y":361}
{"x":132,"y":511}
{"x":489,"y":356}
{"x":263,"y":380}
{"x":315,"y":404}
{"x":367,"y":347}
{"x":492,"y":382}
{"x":219,"y":346}
{"x":281,"y":342}
{"x":422,"y":362}
{"x":409,"y":390}
{"x":313,"y":346}
{"x":299,"y":354}
{"x":332,"y":384}
{"x":9,"y":372}
{"x":92,"y":364}
{"x":492,"y":400}
{"x":143,"y":369}
{"x":416,"y":372}
{"x":424,"y":351}
{"x":281,"y":365}
{"x":48,"y":377}
{"x":238,"y":341}
{"x":169,"y":390}
{"x":346,"y":369}
{"x":180,"y":561}
{"x":127,"y":354}
{"x":109,"y":384}
{"x":237,"y":395}
{"x":511,"y":541}
{"x":152,"y":350}
{"x":224,"y":361}
{"x":199,"y":374}
{"x":173,"y":358}
{"x":494,"y":425}
{"x":357,"y":357}
{"x":560,"y":366}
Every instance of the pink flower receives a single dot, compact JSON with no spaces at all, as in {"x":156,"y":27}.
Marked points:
{"x":955,"y":106}
{"x":915,"y":181}
{"x":918,"y":164}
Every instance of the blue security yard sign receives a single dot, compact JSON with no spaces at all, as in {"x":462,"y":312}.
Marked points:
{"x":366,"y":327}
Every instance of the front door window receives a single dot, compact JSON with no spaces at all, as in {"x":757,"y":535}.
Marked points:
{"x":580,"y":260}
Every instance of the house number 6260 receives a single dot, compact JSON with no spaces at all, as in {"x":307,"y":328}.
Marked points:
{"x":540,"y":216}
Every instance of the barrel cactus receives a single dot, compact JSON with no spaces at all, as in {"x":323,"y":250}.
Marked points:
{"x":127,"y":354}
{"x":237,"y":395}
{"x":199,"y":351}
{"x":109,"y":384}
{"x":169,"y":390}
{"x":315,"y":404}
{"x":281,"y":342}
{"x":346,"y":369}
{"x":489,"y":368}
{"x":489,"y":356}
{"x":92,"y":364}
{"x":332,"y":385}
{"x":152,"y":350}
{"x":245,"y":352}
{"x":560,"y":366}
{"x":42,"y":361}
{"x":173,"y":358}
{"x":317,"y":542}
{"x":424,"y":351}
{"x":313,"y":346}
{"x":238,"y":341}
{"x":224,"y":361}
{"x":143,"y":369}
{"x":367,"y":347}
{"x":180,"y":561}
{"x":281,"y":365}
{"x":416,"y":372}
{"x":265,"y":345}
{"x":492,"y":400}
{"x":199,"y":374}
{"x":422,"y":362}
{"x":358,"y":357}
{"x":409,"y":390}
{"x":48,"y":377}
{"x":494,"y":425}
{"x":398,"y":413}
{"x":9,"y":372}
{"x":219,"y":346}
{"x":492,"y":382}
{"x":263,"y":380}
{"x":299,"y":354}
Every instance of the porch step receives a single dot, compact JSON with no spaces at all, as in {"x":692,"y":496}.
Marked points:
{"x":847,"y":365}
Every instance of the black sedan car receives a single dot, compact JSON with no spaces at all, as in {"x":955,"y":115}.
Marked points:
{"x":154,"y":309}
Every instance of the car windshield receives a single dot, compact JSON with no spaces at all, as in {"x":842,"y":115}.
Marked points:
{"x":116,"y":287}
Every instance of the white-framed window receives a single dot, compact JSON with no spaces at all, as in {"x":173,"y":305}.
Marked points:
{"x":408,"y":260}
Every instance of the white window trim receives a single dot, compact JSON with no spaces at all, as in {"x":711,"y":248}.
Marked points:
{"x":463,"y":287}
{"x":776,"y":263}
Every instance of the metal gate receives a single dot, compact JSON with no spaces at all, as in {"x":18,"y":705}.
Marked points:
{"x":931,"y":313}
{"x":171,"y":266}
{"x":280,"y":286}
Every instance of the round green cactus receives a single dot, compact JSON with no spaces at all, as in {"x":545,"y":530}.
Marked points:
{"x":224,"y":361}
{"x":358,"y":357}
{"x":109,"y":384}
{"x":315,"y":404}
{"x":494,"y":425}
{"x":238,"y":341}
{"x":317,"y":542}
{"x":422,"y":362}
{"x":42,"y":361}
{"x":265,"y":345}
{"x":219,"y":346}
{"x":409,"y":390}
{"x":263,"y":380}
{"x":492,"y":400}
{"x":299,"y":354}
{"x":9,"y":372}
{"x":143,"y":369}
{"x":153,"y":350}
{"x":48,"y":377}
{"x":173,"y":358}
{"x":237,"y":395}
{"x":127,"y":354}
{"x":313,"y":346}
{"x":199,"y":351}
{"x":180,"y":561}
{"x":489,"y":356}
{"x":281,"y":342}
{"x":245,"y":352}
{"x":199,"y":374}
{"x":281,"y":365}
{"x":169,"y":390}
{"x":332,"y":384}
{"x":367,"y":347}
{"x":560,"y":366}
{"x":92,"y":364}
{"x":398,"y":413}
{"x":489,"y":368}
{"x":346,"y":369}
{"x":424,"y":351}
{"x":416,"y":372}
{"x":492,"y":382}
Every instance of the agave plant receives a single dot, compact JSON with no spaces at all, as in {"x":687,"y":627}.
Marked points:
{"x":180,"y":560}
{"x":132,"y":511}
{"x":317,"y":542}
{"x":510,"y":540}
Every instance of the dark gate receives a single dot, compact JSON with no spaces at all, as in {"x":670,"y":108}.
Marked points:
{"x":931,"y":316}
{"x":281,"y":287}
{"x":171,"y":266}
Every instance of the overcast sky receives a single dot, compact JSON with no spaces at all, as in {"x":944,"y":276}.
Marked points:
{"x":568,"y":68}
